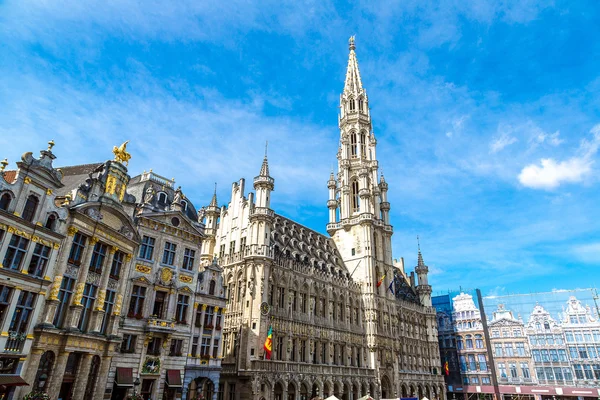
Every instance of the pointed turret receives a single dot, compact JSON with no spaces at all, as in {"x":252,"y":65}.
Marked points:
{"x":423,"y":289}
{"x":353,"y":82}
{"x":264,"y":169}
{"x":213,"y":201}
{"x":264,"y":185}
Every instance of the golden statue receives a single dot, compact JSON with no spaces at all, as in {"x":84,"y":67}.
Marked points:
{"x":121,"y":154}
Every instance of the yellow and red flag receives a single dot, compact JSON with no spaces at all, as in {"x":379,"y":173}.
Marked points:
{"x":269,"y":343}
{"x":446,"y":369}
{"x":380,"y":280}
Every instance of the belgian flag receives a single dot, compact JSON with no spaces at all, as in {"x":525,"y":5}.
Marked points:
{"x":269,"y":343}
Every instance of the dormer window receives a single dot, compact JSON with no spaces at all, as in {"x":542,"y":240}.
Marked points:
{"x":162,"y":198}
{"x":184,"y":204}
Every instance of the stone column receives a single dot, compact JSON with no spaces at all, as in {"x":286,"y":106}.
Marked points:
{"x":101,"y":383}
{"x":56,"y":376}
{"x":32,"y":367}
{"x":121,"y":292}
{"x":82,"y":377}
{"x":76,"y":307}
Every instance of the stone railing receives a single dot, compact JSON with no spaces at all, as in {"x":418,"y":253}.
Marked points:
{"x":151,"y":176}
{"x":15,"y":342}
{"x":160,"y":325}
{"x":306,"y":368}
{"x":262,"y":211}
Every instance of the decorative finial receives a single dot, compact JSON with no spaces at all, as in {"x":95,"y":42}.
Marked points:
{"x":4,"y":163}
{"x":418,"y":243}
{"x":215,"y":188}
{"x":50,"y":145}
{"x":121,"y":154}
{"x":266,"y":147}
{"x":351,"y":43}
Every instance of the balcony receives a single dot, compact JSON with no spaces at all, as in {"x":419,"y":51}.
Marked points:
{"x":160,"y":325}
{"x":306,"y":368}
{"x":15,"y":342}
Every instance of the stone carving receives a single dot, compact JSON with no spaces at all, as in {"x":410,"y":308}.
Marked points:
{"x":166,"y":274}
{"x":118,"y":305}
{"x":94,"y":213}
{"x":201,"y":214}
{"x":78,"y":294}
{"x":177,"y":196}
{"x":149,"y":196}
{"x":112,"y":284}
{"x":71,"y":271}
{"x":55,"y":289}
{"x":100,"y":300}
{"x":93,"y":278}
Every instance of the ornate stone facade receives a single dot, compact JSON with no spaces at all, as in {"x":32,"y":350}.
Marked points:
{"x":31,"y":236}
{"x":345,"y":319}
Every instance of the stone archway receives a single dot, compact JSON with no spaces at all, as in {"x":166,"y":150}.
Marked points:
{"x":278,"y":391}
{"x":355,"y":392}
{"x":304,"y":392}
{"x":386,"y":388}
{"x":404,"y":391}
{"x":420,"y":391}
{"x":327,"y":390}
{"x":315,"y":392}
{"x":372,"y":390}
{"x":291,"y":391}
{"x":337,"y":390}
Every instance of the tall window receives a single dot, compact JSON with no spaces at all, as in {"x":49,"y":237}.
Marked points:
{"x":64,"y":298}
{"x":218,"y":321}
{"x":353,"y":145}
{"x":188,"y":259}
{"x":363,"y":145}
{"x":205,"y":347}
{"x":160,"y":300}
{"x":5,"y":297}
{"x":15,"y":252}
{"x":39,"y":260}
{"x":117,"y":265}
{"x":513,"y":370}
{"x":525,"y":370}
{"x":30,"y":207}
{"x":128,"y":344}
{"x":482,"y":362}
{"x":77,"y":248}
{"x":5,"y":201}
{"x":361,"y":105}
{"x":176,"y":347}
{"x":211,"y":287}
{"x":136,"y":304}
{"x":215,"y":348}
{"x":502,"y":369}
{"x":23,"y":311}
{"x":169,"y":253}
{"x":98,"y":256}
{"x":355,"y":198}
{"x":279,"y":348}
{"x":352,"y":105}
{"x":521,"y":349}
{"x":154,"y":346}
{"x":194,"y":350}
{"x":147,"y":248}
{"x":89,"y":296}
{"x":478,"y":341}
{"x":472,"y":363}
{"x":508,"y":349}
{"x":469,"y":342}
{"x":109,"y":303}
{"x":208,"y":317}
{"x":182,"y":308}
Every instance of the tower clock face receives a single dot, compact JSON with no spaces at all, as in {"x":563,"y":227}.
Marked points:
{"x":265,"y":308}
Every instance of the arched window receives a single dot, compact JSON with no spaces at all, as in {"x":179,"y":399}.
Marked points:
{"x":5,"y":201}
{"x":162,"y":198}
{"x":352,"y":105}
{"x":30,"y":207}
{"x":51,"y":222}
{"x":184,"y":204}
{"x":355,"y":198}
{"x":44,"y":370}
{"x":361,"y":105}
{"x":353,"y":148}
{"x":363,"y":145}
{"x":546,"y":326}
{"x":211,"y":287}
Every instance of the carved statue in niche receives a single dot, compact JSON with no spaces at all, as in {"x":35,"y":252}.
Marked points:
{"x":178,"y":195}
{"x":149,"y":195}
{"x":201,"y":214}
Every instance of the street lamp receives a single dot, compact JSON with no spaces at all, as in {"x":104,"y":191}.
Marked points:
{"x":136,"y":383}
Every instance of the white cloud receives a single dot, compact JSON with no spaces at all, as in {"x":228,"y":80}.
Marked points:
{"x":501,"y":142}
{"x":588,"y":252}
{"x":549,"y":173}
{"x":540,"y":137}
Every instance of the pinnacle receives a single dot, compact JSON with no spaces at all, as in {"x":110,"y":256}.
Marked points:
{"x":213,"y":202}
{"x":264,"y":169}
{"x":353,"y":82}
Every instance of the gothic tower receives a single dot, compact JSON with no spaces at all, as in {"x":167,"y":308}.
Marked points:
{"x":358,"y":207}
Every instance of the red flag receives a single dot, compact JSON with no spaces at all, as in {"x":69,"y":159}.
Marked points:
{"x":446,"y":369}
{"x":381,"y":280}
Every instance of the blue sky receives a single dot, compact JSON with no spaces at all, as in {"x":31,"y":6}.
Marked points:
{"x":487,"y":114}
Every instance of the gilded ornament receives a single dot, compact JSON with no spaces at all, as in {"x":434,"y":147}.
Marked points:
{"x":121,"y":154}
{"x":118,"y":304}
{"x":48,"y":192}
{"x":56,"y":246}
{"x":78,"y":294}
{"x":144,"y":269}
{"x":166,"y":275}
{"x":55,"y":289}
{"x":204,"y":307}
{"x":27,"y":180}
{"x":128,"y":257}
{"x":186,"y":278}
{"x":94,"y":240}
{"x":113,"y":249}
{"x":71,"y":230}
{"x":100,"y":300}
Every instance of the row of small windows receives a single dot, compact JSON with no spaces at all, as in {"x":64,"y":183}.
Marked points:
{"x":29,"y":210}
{"x":361,"y":105}
{"x":169,"y":253}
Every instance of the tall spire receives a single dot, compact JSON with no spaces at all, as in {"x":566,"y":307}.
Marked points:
{"x":353,"y":82}
{"x":264,"y":169}
{"x":213,"y":202}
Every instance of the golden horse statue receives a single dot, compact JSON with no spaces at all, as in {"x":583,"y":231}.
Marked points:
{"x":121,"y":154}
